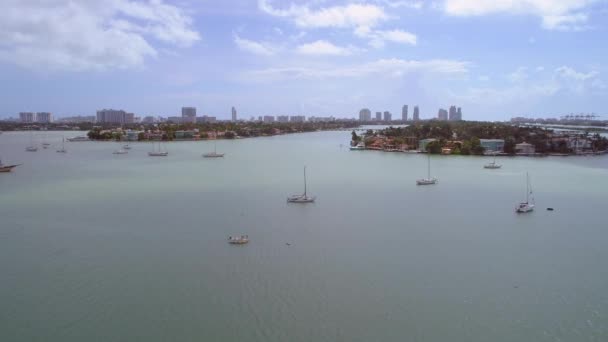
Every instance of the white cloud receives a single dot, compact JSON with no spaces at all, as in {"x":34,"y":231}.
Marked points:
{"x":377,"y":38}
{"x":258,"y":48}
{"x":84,"y":35}
{"x":568,"y":73}
{"x":383,"y":67}
{"x":351,"y":15}
{"x":323,"y":47}
{"x":555,"y":14}
{"x":519,"y":75}
{"x":403,"y":3}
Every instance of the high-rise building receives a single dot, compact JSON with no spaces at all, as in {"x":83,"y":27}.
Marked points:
{"x":233,"y":114}
{"x":452,"y":116}
{"x":388,"y":116}
{"x":416,"y":115}
{"x":378,"y":116}
{"x":283,"y":118}
{"x":189,"y":114}
{"x":404,"y":113}
{"x":442,"y":114}
{"x":44,"y":117}
{"x":27,"y":117}
{"x":365,"y":115}
{"x":268,"y":118}
{"x":459,"y":114}
{"x":113,"y":116}
{"x":297,"y":118}
{"x":129,"y":118}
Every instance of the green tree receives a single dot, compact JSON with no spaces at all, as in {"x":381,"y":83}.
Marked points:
{"x":434,"y":147}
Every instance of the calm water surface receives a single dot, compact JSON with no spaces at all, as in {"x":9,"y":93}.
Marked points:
{"x":102,"y":247}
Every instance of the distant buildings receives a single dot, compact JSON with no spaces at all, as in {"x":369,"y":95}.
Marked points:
{"x":324,"y":118}
{"x":388,"y":117}
{"x":44,"y":117}
{"x":378,"y":116}
{"x":455,"y":114}
{"x":78,"y":119}
{"x":416,"y":115}
{"x":27,"y":117}
{"x":114,"y":116}
{"x":188,"y":114}
{"x":206,"y":119}
{"x":404,"y":113}
{"x":442,"y":114}
{"x":233,"y":114}
{"x":283,"y":118}
{"x":297,"y":118}
{"x":365,"y":115}
{"x":268,"y":118}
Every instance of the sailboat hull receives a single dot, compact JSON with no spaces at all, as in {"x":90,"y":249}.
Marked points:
{"x":300,"y":199}
{"x":7,"y":168}
{"x":158,"y":154}
{"x":426,"y":181}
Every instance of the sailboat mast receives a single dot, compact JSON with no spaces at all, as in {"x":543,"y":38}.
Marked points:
{"x":429,"y":167}
{"x":304,"y":180}
{"x":527,"y":189}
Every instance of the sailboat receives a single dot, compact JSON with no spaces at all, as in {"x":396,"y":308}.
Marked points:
{"x":213,"y":154}
{"x":7,"y":168}
{"x":158,"y":153}
{"x":32,"y":147}
{"x":126,"y":147}
{"x":527,"y":206}
{"x":428,"y":180}
{"x":45,"y":144}
{"x":120,"y":151}
{"x":62,"y":149}
{"x":303,"y":198}
{"x":493,"y":164}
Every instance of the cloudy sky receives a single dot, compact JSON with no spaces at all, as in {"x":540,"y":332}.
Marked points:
{"x":496,"y":59}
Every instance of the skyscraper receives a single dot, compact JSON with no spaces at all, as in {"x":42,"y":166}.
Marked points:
{"x":27,"y":117}
{"x":365,"y":115}
{"x":113,"y":116}
{"x":416,"y":113}
{"x":453,"y":114}
{"x":378,"y":116}
{"x":442,"y":114}
{"x":459,"y":114}
{"x":44,"y":117}
{"x":189,"y":114}
{"x":387,"y":116}
{"x":233,"y":114}
{"x":404,"y":113}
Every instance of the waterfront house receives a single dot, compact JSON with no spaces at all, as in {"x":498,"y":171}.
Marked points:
{"x":524,"y":148}
{"x":491,"y":146}
{"x":422,"y":144}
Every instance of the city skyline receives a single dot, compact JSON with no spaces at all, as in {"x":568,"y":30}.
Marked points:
{"x":294,"y":58}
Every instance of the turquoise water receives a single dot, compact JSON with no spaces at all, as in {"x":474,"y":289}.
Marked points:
{"x":103,"y":247}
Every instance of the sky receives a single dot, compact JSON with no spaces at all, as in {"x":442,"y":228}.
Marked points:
{"x":496,"y":59}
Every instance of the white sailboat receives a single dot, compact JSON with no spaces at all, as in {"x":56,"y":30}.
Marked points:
{"x":493,"y":164}
{"x":126,"y":147}
{"x":528,"y":205}
{"x":158,"y":153}
{"x":428,"y":180}
{"x":62,"y":149}
{"x":31,"y":147}
{"x":303,"y":198}
{"x":213,"y":154}
{"x":120,"y":151}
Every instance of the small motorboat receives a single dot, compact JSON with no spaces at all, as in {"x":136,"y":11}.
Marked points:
{"x":550,"y":209}
{"x":238,"y":240}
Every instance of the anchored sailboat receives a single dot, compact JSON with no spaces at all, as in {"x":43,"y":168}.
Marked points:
{"x":7,"y":168}
{"x":528,"y":205}
{"x":493,"y":164}
{"x":303,"y":198}
{"x":158,"y":153}
{"x":213,"y":154}
{"x":428,"y":180}
{"x":62,"y":149}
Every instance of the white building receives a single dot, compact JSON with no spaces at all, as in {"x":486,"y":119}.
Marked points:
{"x":233,"y":114}
{"x":44,"y":117}
{"x":27,"y":117}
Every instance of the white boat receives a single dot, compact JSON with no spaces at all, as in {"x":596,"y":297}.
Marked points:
{"x":428,"y":180}
{"x":492,"y":165}
{"x":7,"y":168}
{"x":528,"y":205}
{"x":120,"y":151}
{"x":303,"y":198}
{"x":358,"y":147}
{"x":31,"y":149}
{"x":238,"y":240}
{"x":126,"y":147}
{"x":213,"y":154}
{"x":79,"y":138}
{"x":62,"y":149}
{"x":158,"y":153}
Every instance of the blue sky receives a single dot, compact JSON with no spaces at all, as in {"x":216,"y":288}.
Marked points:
{"x":495,"y":59}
